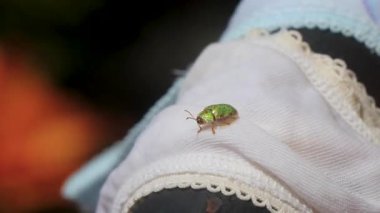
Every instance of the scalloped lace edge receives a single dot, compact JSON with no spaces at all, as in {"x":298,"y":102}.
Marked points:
{"x":203,"y":163}
{"x":331,"y":77}
{"x":213,"y":184}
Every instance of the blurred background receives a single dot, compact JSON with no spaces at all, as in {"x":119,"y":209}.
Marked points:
{"x":75,"y":75}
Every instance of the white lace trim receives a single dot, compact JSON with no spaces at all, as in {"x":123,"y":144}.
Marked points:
{"x":213,"y":184}
{"x":338,"y":85}
{"x":229,"y":167}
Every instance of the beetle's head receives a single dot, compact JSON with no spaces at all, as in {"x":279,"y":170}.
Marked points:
{"x":200,"y":120}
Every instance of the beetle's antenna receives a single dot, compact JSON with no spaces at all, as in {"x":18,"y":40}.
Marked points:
{"x":192,"y":117}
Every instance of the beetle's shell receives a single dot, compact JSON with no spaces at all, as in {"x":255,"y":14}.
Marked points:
{"x":217,"y":112}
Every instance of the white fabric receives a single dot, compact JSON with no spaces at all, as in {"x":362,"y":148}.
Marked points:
{"x":287,"y":132}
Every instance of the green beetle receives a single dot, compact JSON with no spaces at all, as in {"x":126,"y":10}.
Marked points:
{"x":216,"y":114}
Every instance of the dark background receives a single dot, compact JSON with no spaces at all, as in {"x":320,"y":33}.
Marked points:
{"x":130,"y":52}
{"x":117,"y":54}
{"x":99,"y":63}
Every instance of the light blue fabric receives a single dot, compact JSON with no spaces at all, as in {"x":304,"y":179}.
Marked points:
{"x":373,"y":9}
{"x":349,"y":17}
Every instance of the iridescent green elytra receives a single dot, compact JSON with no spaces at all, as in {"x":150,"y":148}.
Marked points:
{"x":216,"y":114}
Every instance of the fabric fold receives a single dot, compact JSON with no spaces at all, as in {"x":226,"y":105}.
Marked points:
{"x":288,"y":131}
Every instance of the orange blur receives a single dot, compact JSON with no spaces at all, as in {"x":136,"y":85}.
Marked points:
{"x":44,"y":136}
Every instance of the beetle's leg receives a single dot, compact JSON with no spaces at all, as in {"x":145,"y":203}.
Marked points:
{"x":213,"y":124}
{"x":200,"y":129}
